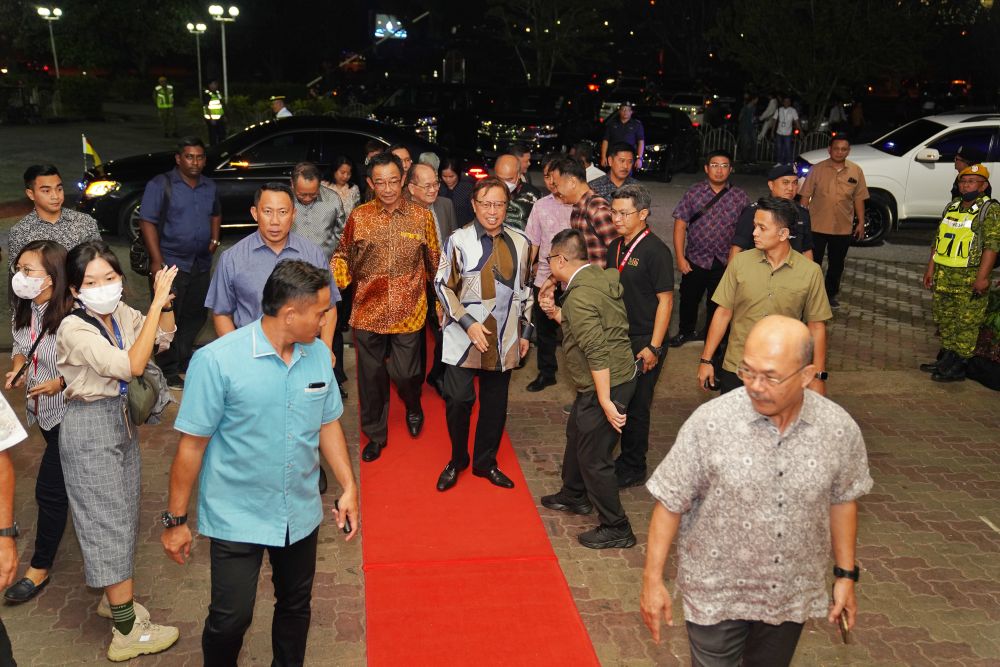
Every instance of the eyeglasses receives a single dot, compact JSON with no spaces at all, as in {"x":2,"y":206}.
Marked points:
{"x":748,"y":376}
{"x":391,"y":183}
{"x":492,"y":205}
{"x":719,"y":165}
{"x":549,"y":258}
{"x":429,"y":187}
{"x":621,"y":214}
{"x":26,"y":270}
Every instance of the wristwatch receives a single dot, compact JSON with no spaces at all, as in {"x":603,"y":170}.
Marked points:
{"x":10,"y":532}
{"x":170,"y":521}
{"x":853,"y":575}
{"x":822,"y":375}
{"x":655,"y":350}
{"x":707,"y":362}
{"x":215,"y":243}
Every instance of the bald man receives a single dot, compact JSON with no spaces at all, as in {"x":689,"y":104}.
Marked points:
{"x":768,"y":476}
{"x":522,"y":195}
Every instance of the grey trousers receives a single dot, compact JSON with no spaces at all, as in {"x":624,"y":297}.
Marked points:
{"x":743,"y":644}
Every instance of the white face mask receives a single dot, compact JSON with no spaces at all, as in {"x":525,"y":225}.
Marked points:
{"x":510,"y":186}
{"x":102,"y":300}
{"x":27,"y":287}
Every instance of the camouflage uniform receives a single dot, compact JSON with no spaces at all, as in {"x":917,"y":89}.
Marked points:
{"x":956,"y":312}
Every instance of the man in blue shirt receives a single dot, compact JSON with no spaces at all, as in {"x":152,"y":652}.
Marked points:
{"x":259,"y":408}
{"x":180,"y":225}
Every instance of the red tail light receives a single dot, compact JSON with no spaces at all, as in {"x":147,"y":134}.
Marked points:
{"x":593,"y":87}
{"x":695,"y":124}
{"x":478,"y":173}
{"x":729,"y":116}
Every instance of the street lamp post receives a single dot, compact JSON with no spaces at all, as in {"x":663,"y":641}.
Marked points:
{"x":198,"y":29}
{"x":51,"y":15}
{"x":223,"y":17}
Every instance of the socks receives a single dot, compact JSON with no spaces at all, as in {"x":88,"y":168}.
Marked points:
{"x":124,"y":616}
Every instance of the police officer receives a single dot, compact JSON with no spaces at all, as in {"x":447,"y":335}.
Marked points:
{"x":625,"y":129}
{"x":278,"y":107}
{"x":958,"y":271}
{"x":214,"y":113}
{"x":163,"y":97}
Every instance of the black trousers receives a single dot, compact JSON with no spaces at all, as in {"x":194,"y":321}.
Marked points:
{"x":546,"y":338}
{"x":699,"y":283}
{"x":53,"y":505}
{"x":216,"y":131}
{"x":743,"y":644}
{"x":459,"y":397}
{"x":588,"y":467}
{"x":235,"y":570}
{"x":635,"y":435}
{"x":727,"y":381}
{"x":343,"y":315}
{"x":6,"y":652}
{"x":438,"y":367}
{"x":838,"y":245}
{"x":190,"y":313}
{"x":381,"y":357}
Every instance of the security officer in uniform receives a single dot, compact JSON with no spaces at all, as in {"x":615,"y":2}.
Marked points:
{"x":624,"y":129}
{"x":215,"y":113}
{"x":962,"y":258}
{"x":966,"y":156}
{"x":163,"y":96}
{"x":783,"y":182}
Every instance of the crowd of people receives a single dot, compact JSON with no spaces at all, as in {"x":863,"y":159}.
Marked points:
{"x":758,"y":486}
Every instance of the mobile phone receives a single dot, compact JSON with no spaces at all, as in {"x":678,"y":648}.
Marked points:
{"x":711,"y":387}
{"x":347,"y":520}
{"x":20,"y":371}
{"x":845,"y":633}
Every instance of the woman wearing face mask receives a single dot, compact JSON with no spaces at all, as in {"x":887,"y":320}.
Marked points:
{"x":40,"y":274}
{"x":98,"y":444}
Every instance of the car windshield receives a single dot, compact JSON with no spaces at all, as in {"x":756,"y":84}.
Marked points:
{"x":903,"y":140}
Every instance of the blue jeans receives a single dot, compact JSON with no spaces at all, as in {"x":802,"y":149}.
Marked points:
{"x":783,"y":148}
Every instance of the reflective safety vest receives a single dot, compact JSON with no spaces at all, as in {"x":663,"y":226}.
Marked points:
{"x":165,"y":97}
{"x":213,"y":110}
{"x":959,"y":238}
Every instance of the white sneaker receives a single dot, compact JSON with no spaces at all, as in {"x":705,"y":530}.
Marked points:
{"x":104,"y":609}
{"x":146,"y":638}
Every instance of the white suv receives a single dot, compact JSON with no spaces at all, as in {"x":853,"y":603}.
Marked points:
{"x":910,"y":171}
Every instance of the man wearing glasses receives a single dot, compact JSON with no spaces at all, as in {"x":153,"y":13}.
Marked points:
{"x":759,"y":490}
{"x":772,"y":279}
{"x":389,"y":250}
{"x":704,"y":223}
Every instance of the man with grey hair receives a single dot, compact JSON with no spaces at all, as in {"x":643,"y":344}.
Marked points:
{"x":759,"y":489}
{"x":646,"y":267}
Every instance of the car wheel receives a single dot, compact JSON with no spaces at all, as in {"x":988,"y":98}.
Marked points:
{"x":128,"y":219}
{"x":879,"y":219}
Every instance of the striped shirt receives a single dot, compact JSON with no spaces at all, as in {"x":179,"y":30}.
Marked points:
{"x":48,"y":411}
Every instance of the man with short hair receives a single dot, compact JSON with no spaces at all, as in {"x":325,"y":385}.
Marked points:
{"x":389,"y":250}
{"x":523,"y":155}
{"x":646,"y":266}
{"x":403,"y":153}
{"x":623,"y":128}
{"x":786,"y":123}
{"x":48,"y":220}
{"x":621,"y":159}
{"x":962,"y":259}
{"x":258,"y":412}
{"x":522,"y":195}
{"x":163,"y":98}
{"x":591,"y":214}
{"x":603,"y":370}
{"x":758,"y":486}
{"x":704,"y":221}
{"x":782,"y":182}
{"x":773,"y":279}
{"x":180,"y":220}
{"x":549,"y":216}
{"x":835,"y":194}
{"x":278,"y":107}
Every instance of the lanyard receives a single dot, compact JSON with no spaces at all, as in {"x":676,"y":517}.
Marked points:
{"x":624,"y":261}
{"x":122,"y":384}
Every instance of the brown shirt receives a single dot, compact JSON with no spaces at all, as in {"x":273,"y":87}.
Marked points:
{"x":752,"y":290}
{"x":390,"y":257}
{"x":831,"y":191}
{"x":754,"y":540}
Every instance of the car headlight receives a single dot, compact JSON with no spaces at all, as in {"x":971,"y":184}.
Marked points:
{"x":427,"y":120}
{"x":100,"y":188}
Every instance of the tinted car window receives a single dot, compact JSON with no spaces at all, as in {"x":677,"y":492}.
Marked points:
{"x":978,"y":138}
{"x":902,"y":141}
{"x":350,"y":144}
{"x":288,"y":148}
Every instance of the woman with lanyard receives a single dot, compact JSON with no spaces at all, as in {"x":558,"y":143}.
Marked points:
{"x":98,"y":443}
{"x":41,"y":274}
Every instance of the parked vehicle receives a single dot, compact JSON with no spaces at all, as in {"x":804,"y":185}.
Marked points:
{"x":672,"y":142}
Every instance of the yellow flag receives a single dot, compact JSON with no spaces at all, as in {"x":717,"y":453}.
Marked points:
{"x":88,"y":149}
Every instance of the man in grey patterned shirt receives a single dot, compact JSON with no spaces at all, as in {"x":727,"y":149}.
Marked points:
{"x":319,"y":213}
{"x":759,"y":485}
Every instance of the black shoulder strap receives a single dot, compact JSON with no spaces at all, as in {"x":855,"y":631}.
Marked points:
{"x":704,"y":209}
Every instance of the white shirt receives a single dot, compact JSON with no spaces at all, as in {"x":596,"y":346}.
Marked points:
{"x":786,"y":116}
{"x":283,"y":113}
{"x":593,"y":173}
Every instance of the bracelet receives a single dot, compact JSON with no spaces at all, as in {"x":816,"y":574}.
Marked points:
{"x":853,"y":575}
{"x":167,"y":309}
{"x":707,"y":362}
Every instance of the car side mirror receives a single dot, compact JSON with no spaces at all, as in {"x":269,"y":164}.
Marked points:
{"x":928,"y":155}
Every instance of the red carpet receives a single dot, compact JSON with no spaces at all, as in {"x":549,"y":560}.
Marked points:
{"x":465,"y":577}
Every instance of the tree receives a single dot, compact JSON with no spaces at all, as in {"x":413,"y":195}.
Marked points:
{"x":814,"y":49}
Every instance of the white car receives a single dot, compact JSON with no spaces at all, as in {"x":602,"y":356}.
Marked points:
{"x":911,"y":170}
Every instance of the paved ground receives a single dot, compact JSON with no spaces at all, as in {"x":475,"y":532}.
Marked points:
{"x":930,"y":591}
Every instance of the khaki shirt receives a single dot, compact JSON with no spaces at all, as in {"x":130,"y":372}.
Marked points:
{"x":89,"y":364}
{"x":753,"y":291}
{"x":831,"y":192}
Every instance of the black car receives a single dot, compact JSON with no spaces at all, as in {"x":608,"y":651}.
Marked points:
{"x":242,"y":163}
{"x":672,"y":142}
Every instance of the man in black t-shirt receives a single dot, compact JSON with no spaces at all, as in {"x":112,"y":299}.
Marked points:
{"x":783,"y":182}
{"x":647,"y":277}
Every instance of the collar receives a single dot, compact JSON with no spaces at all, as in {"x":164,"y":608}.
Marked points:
{"x":260,"y":346}
{"x":481,"y":231}
{"x":807,"y":411}
{"x":789,"y":259}
{"x":570,"y":281}
{"x":61,"y":218}
{"x":291,"y":241}
{"x":402,"y":209}
{"x":175,"y":177}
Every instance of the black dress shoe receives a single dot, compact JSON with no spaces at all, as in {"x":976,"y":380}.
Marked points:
{"x":414,"y":422}
{"x":630,"y":478}
{"x":682,"y":338}
{"x":561,"y":503}
{"x":496,"y":477}
{"x":372,"y":451}
{"x":449,"y":476}
{"x":607,"y":537}
{"x":541,"y":382}
{"x":24,"y":590}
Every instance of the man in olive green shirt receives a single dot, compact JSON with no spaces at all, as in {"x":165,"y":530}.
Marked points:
{"x":770,"y":279}
{"x":603,"y":369}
